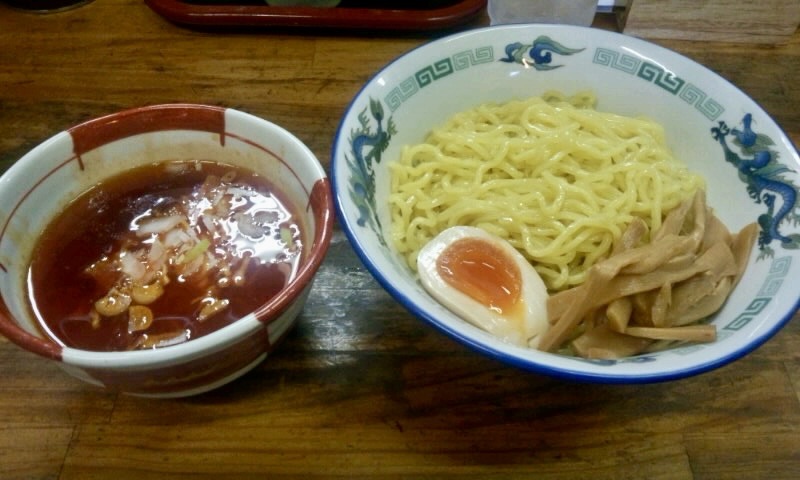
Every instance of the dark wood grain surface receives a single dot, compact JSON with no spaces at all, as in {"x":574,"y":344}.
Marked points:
{"x":360,"y":388}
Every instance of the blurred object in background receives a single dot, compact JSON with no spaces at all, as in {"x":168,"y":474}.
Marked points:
{"x":302,"y":3}
{"x":46,"y":6}
{"x":572,"y":12}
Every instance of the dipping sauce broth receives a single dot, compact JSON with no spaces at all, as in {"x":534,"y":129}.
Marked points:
{"x":163,"y":254}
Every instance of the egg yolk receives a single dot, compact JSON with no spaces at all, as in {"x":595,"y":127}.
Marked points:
{"x":482,"y":271}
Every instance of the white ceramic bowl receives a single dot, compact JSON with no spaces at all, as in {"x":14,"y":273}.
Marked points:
{"x":629,"y":76}
{"x":40,"y":184}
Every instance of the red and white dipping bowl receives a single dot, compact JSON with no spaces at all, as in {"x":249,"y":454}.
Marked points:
{"x":38,"y":186}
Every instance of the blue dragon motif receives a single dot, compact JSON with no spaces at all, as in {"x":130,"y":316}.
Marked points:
{"x":758,"y":167}
{"x":366,"y":147}
{"x":538,"y":54}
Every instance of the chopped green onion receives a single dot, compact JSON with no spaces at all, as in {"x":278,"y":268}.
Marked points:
{"x":286,"y":235}
{"x":197,"y":250}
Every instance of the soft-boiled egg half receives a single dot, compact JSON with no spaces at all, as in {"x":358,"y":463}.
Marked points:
{"x":483,"y":279}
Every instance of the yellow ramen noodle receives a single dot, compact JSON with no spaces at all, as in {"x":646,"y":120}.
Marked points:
{"x":556,"y":178}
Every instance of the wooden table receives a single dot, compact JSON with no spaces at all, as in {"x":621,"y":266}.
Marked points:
{"x":361,"y":388}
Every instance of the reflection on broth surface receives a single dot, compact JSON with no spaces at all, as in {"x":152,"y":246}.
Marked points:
{"x":163,"y":254}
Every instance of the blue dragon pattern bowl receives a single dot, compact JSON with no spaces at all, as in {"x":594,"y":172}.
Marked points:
{"x":750,"y":166}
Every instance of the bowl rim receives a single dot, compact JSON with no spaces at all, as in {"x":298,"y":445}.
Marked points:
{"x":177,"y":117}
{"x":533,"y":365}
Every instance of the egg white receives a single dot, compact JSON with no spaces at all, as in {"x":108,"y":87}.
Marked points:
{"x":533,"y":290}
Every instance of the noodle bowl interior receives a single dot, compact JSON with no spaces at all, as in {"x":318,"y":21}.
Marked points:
{"x":162,"y":254}
{"x":588,"y":198}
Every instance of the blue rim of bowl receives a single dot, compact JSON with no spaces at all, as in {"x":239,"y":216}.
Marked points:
{"x":562,"y":373}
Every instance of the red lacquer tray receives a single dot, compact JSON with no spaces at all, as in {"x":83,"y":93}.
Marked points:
{"x":396,"y":15}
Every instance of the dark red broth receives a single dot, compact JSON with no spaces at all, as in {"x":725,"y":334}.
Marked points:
{"x":236,"y":246}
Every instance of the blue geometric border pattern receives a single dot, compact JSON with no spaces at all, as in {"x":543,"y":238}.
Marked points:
{"x":693,"y":95}
{"x":777,"y":274}
{"x":612,"y":58}
{"x":435,"y":71}
{"x":660,"y":77}
{"x":468,"y":58}
{"x":756,"y":306}
{"x":663,"y":78}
